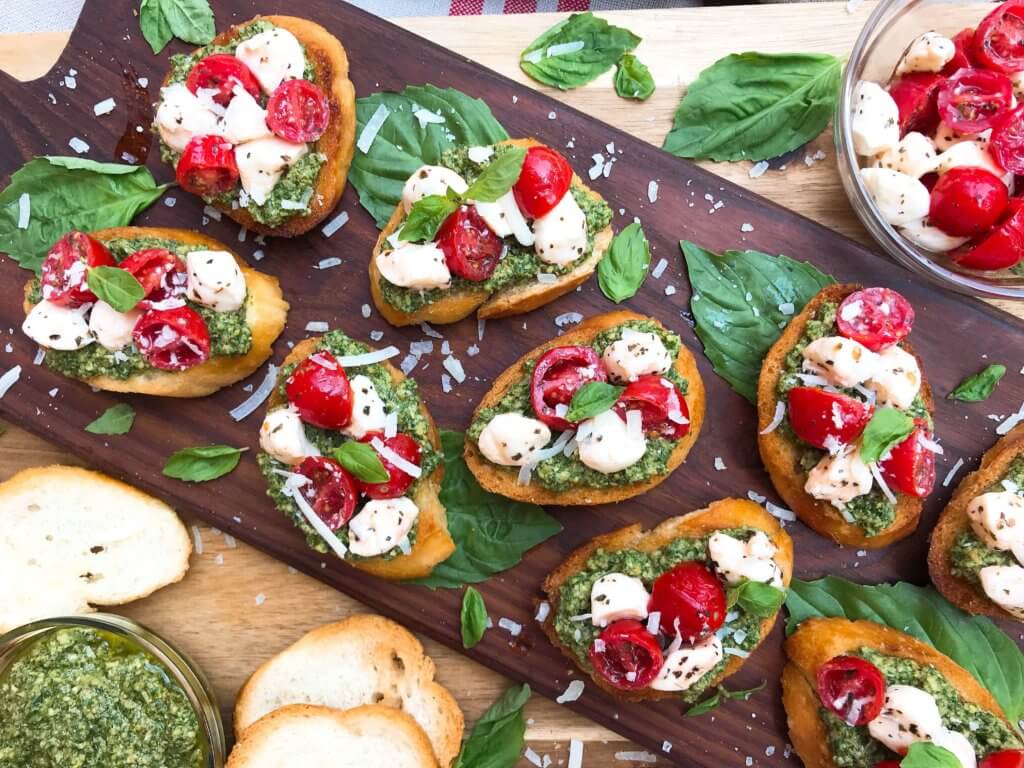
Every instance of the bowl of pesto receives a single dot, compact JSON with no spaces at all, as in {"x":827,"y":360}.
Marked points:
{"x":101,"y":690}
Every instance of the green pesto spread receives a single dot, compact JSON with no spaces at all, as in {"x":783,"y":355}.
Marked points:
{"x":969,"y":554}
{"x":519,"y":264}
{"x":81,"y":697}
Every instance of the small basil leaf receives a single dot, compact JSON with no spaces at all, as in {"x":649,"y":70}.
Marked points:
{"x":707,"y":705}
{"x":497,"y":177}
{"x":624,"y":267}
{"x":203,"y":463}
{"x":118,"y":287}
{"x":189,"y":20}
{"x":592,"y":398}
{"x":154,"y":25}
{"x":426,"y":217}
{"x":888,"y":427}
{"x":362,"y":461}
{"x":925,"y":754}
{"x":757,"y":599}
{"x":473,"y":618}
{"x":743,"y":695}
{"x":576,"y":51}
{"x":633,"y":79}
{"x":116,"y":420}
{"x":979,"y":387}
{"x":497,"y":738}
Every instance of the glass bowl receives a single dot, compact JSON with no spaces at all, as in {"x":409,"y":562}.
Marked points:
{"x":888,"y":31}
{"x":184,"y":671}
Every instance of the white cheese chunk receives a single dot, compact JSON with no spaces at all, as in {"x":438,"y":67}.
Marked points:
{"x":415,"y":265}
{"x":215,"y":280}
{"x":511,"y":439}
{"x":430,"y":180}
{"x":840,"y":361}
{"x":283,"y":436}
{"x":608,"y":446}
{"x":908,"y":715}
{"x":736,"y":560}
{"x":244,"y":119}
{"x":997,"y":518}
{"x":56,"y":327}
{"x":561,"y":233}
{"x":635,"y":355}
{"x":899,"y":198}
{"x":839,"y":479}
{"x":958,"y":744}
{"x":896,"y":378}
{"x":915,"y":156}
{"x":112,"y":329}
{"x":261,"y":164}
{"x":924,"y":235}
{"x":617,"y":596}
{"x":945,"y":137}
{"x":504,"y":218}
{"x":181,"y":116}
{"x":875,"y":120}
{"x":367,"y":408}
{"x":967,"y":154}
{"x":1004,"y":585}
{"x":273,"y":56}
{"x":687,"y":665}
{"x":381,"y":525}
{"x":929,"y":52}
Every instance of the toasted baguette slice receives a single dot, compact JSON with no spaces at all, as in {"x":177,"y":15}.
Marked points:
{"x":363,"y":659}
{"x":327,"y":55}
{"x":725,"y":513}
{"x":781,"y":456}
{"x":504,"y":480}
{"x":266,"y":312}
{"x":513,"y":300}
{"x":71,"y":539}
{"x":953,"y":521}
{"x":372,"y":736}
{"x":818,"y":640}
{"x":433,"y":543}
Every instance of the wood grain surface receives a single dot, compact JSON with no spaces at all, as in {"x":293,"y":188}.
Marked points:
{"x":215,"y":614}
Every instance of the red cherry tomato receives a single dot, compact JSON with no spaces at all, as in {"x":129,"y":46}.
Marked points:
{"x":910,"y":468}
{"x":398,"y":481}
{"x":963,"y":57}
{"x":876,"y":317}
{"x":557,"y":375}
{"x":1008,"y":758}
{"x":221,"y":72}
{"x":331,"y":492}
{"x":1007,"y":141}
{"x":298,"y":111}
{"x":691,"y":600}
{"x":172,"y":339}
{"x":821,"y":418}
{"x":852,"y":688}
{"x":161,"y":274}
{"x":630,"y":657}
{"x":543,"y":182}
{"x":65,"y":271}
{"x":999,"y":249}
{"x":915,"y":94}
{"x":971,"y":100}
{"x":319,"y":390}
{"x":660,"y":402}
{"x":999,"y":42}
{"x":888,"y":764}
{"x":967,"y":201}
{"x":470,"y":248}
{"x":207,"y":166}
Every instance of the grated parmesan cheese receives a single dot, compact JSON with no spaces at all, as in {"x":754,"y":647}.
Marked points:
{"x":104,"y":107}
{"x":572,"y":692}
{"x":335,"y":224}
{"x":24,"y":210}
{"x":78,"y":145}
{"x":372,"y":128}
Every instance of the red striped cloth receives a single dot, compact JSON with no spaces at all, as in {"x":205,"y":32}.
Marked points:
{"x":476,"y":7}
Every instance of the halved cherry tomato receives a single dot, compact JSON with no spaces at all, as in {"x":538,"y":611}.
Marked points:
{"x":161,"y":274}
{"x":876,"y":317}
{"x":967,"y":201}
{"x":398,"y":481}
{"x":65,"y":269}
{"x":543,"y":182}
{"x":971,"y":100}
{"x":691,"y":601}
{"x":298,"y":111}
{"x":963,"y":57}
{"x":1007,"y":141}
{"x":557,"y":375}
{"x":999,"y":249}
{"x":331,"y":492}
{"x":910,"y":467}
{"x":207,"y":166}
{"x":1008,"y":758}
{"x":172,"y":339}
{"x":630,"y":656}
{"x":319,"y":390}
{"x":999,"y":41}
{"x":470,"y":248}
{"x":852,"y":688}
{"x":221,"y":72}
{"x":916,"y":94}
{"x":660,"y":402}
{"x":822,"y":418}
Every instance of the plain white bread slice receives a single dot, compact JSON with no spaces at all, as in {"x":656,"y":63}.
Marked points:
{"x":363,"y":659}
{"x":72,"y":539}
{"x":309,"y":736}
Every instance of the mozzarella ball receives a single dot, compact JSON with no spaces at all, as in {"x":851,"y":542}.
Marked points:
{"x":511,"y":439}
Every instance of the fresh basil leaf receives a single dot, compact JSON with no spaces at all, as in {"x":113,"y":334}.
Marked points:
{"x":426,"y":217}
{"x":576,"y":51}
{"x":362,"y":461}
{"x":753,"y":106}
{"x":497,"y":177}
{"x":758,"y":599}
{"x":979,"y":387}
{"x":116,"y":420}
{"x":154,"y":25}
{"x":491,"y":532}
{"x":497,"y":738}
{"x":973,"y":642}
{"x":738,"y":302}
{"x":888,"y":427}
{"x":624,"y":267}
{"x":69,"y":193}
{"x":633,"y":80}
{"x":925,"y":754}
{"x":743,"y":695}
{"x":118,"y":287}
{"x":473,"y":617}
{"x":720,"y":696}
{"x":203,"y":463}
{"x":593,"y":398}
{"x":189,"y":20}
{"x":402,"y":145}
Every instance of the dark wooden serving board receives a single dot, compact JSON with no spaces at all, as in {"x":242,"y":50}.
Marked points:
{"x":952,"y":335}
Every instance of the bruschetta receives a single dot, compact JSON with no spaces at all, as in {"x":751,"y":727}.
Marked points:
{"x":977,"y":548}
{"x":687,"y":601}
{"x":261,"y":123}
{"x":352,"y":456}
{"x":204,"y":320}
{"x":860,"y":694}
{"x":538,"y":241}
{"x":841,"y":363}
{"x":602,"y":413}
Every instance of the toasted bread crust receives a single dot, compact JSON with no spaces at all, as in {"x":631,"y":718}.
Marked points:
{"x":433,"y":543}
{"x":725,"y":513}
{"x":513,"y":300}
{"x":781,"y":456}
{"x":266,"y":313}
{"x":503,"y":480}
{"x":818,"y":640}
{"x":953,"y":521}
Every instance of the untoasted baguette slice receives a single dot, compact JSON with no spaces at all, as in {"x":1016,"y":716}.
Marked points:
{"x":372,"y":736}
{"x":781,"y":456}
{"x":363,"y":659}
{"x":513,"y":300}
{"x":72,"y":539}
{"x":953,"y":521}
{"x":266,"y":312}
{"x":819,"y":640}
{"x":504,"y":480}
{"x":725,"y":513}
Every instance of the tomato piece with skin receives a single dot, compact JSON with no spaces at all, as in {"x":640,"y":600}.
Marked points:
{"x":331,"y":491}
{"x":875,"y":317}
{"x":221,"y":72}
{"x":631,"y":657}
{"x":471,"y":250}
{"x":64,"y":274}
{"x":1007,"y":758}
{"x":172,"y":339}
{"x":999,"y":42}
{"x":967,"y":201}
{"x":916,"y":97}
{"x":543,"y":181}
{"x":661,"y":404}
{"x":1001,"y":248}
{"x":910,"y":466}
{"x":556,"y":377}
{"x":963,"y":41}
{"x":823,"y":418}
{"x":207,"y":166}
{"x":691,"y":601}
{"x":320,"y":391}
{"x":161,"y":274}
{"x":1007,"y":141}
{"x":398,"y":481}
{"x":972,"y":100}
{"x":852,"y":688}
{"x":888,"y":764}
{"x":298,"y":111}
